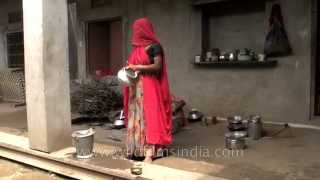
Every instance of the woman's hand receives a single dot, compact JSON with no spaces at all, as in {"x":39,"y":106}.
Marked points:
{"x":155,"y":67}
{"x":133,"y":67}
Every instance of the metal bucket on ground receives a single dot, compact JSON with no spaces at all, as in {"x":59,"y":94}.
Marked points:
{"x":83,"y":142}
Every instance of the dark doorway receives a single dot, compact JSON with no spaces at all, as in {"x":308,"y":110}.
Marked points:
{"x":105,"y":47}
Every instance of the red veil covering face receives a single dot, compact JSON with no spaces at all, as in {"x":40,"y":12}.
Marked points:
{"x":156,"y":93}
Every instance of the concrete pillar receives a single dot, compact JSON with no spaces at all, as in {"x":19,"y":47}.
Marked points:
{"x":47,"y":74}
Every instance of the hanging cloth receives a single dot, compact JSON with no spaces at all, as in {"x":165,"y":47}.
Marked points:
{"x":277,"y":43}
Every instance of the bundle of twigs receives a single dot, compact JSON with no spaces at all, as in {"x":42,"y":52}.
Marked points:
{"x":95,"y":98}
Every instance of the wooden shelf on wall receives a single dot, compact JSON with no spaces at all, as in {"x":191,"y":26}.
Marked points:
{"x":238,"y":64}
{"x":204,"y":2}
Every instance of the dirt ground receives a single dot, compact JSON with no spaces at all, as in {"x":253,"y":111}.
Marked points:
{"x":10,"y":170}
{"x":292,"y":155}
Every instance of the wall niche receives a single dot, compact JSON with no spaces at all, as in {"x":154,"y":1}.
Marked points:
{"x":230,"y":25}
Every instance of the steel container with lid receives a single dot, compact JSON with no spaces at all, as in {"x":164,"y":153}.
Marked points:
{"x":235,"y":140}
{"x":255,"y":127}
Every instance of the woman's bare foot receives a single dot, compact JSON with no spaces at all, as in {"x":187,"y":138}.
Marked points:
{"x":147,"y":160}
{"x":149,"y":154}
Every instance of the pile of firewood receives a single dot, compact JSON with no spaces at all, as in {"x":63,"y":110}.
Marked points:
{"x":95,"y":98}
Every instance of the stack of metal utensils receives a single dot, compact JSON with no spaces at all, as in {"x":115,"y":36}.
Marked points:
{"x":241,"y":128}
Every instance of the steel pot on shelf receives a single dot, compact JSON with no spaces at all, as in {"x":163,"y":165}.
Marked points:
{"x":215,"y":54}
{"x":232,"y":57}
{"x":197,"y":58}
{"x":261,"y":57}
{"x":223,"y":58}
{"x":244,"y":55}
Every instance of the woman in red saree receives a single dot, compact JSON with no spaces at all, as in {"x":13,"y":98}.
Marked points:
{"x":147,"y":103}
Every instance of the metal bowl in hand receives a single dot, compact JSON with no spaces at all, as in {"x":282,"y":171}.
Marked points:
{"x":127,"y":76}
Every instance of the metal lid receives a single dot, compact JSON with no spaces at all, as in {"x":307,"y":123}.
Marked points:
{"x":235,"y":119}
{"x":255,"y":119}
{"x":236,"y":134}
